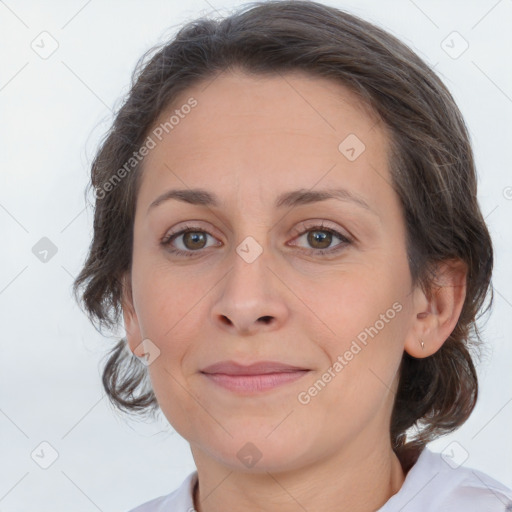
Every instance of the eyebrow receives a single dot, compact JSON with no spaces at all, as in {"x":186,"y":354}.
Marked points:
{"x":201,"y":197}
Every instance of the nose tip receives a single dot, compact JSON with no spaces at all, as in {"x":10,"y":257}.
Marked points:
{"x":250,"y":300}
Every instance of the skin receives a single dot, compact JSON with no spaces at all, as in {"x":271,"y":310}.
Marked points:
{"x":249,"y":139}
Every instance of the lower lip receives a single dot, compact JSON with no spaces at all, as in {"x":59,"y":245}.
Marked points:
{"x":254,"y":383}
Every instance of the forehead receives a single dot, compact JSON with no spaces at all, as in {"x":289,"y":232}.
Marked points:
{"x":266,"y":134}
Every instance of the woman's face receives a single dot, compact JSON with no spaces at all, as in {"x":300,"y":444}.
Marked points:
{"x":270,"y":271}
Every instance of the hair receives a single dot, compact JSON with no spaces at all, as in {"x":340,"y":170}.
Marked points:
{"x":430,"y":160}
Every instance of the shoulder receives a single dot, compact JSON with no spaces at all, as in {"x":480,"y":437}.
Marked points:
{"x":180,"y":500}
{"x":436,"y":484}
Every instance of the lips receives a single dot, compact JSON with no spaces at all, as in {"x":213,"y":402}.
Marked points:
{"x":259,"y":368}
{"x":254,"y":378}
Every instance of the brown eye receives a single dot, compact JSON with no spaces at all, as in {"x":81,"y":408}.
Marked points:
{"x":194,"y":240}
{"x":188,"y":242}
{"x":319,"y":239}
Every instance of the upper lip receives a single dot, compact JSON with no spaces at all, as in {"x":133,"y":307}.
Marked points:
{"x":259,"y":368}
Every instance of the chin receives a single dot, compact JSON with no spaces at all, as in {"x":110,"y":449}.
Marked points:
{"x":253,"y":452}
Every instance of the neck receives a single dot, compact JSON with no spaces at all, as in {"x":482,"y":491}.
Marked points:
{"x":355,"y":480}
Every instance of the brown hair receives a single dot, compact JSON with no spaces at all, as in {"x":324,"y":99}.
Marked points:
{"x":431,"y":165}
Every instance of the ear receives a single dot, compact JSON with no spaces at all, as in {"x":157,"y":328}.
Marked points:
{"x":436,"y":316}
{"x":131,"y":322}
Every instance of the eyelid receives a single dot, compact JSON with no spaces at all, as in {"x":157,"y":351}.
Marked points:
{"x":192,"y":225}
{"x":307,"y":225}
{"x":344,"y":239}
{"x":299,"y":230}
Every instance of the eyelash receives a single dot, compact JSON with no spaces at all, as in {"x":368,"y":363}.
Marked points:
{"x":166,"y":241}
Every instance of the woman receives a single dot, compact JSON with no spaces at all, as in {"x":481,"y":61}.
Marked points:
{"x":286,"y":217}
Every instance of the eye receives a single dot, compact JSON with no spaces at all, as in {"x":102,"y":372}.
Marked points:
{"x":192,"y":239}
{"x":320,"y":238}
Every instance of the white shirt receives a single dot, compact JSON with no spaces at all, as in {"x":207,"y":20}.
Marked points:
{"x":431,"y":485}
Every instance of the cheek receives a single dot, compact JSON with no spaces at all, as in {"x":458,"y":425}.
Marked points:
{"x":365,"y":320}
{"x":349,"y":303}
{"x":165,"y":298}
{"x":168,"y":306}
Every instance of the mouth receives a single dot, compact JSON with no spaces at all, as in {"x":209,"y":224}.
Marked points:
{"x":257,"y":377}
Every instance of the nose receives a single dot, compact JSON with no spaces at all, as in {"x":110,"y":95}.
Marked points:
{"x":251,"y":300}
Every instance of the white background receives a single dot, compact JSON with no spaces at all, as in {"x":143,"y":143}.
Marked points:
{"x":53,"y":113}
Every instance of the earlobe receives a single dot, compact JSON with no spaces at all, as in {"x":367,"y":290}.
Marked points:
{"x":435,"y":317}
{"x":131,"y":323}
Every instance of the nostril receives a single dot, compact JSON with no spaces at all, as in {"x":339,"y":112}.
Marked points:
{"x":266,"y":319}
{"x":226,"y":320}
